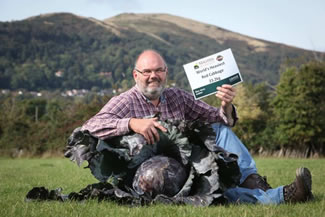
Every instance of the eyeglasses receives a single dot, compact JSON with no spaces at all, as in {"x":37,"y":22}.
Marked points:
{"x":147,"y":72}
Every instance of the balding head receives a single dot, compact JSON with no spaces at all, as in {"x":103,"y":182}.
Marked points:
{"x":149,"y":55}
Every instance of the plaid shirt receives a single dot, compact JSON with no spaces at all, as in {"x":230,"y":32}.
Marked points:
{"x":176,"y":104}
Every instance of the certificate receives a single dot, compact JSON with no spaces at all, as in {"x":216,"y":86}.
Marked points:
{"x":206,"y":74}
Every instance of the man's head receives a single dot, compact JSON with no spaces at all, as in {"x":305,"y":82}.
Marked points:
{"x":150,"y":74}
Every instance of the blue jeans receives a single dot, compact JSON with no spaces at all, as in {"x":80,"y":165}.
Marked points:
{"x":226,"y":139}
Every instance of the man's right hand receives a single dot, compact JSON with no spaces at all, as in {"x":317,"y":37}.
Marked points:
{"x":147,"y":128}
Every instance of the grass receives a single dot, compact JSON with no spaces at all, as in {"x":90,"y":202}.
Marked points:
{"x":18,"y":176}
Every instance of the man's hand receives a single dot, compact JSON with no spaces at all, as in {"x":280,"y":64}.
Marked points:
{"x":147,"y":128}
{"x":226,"y":93}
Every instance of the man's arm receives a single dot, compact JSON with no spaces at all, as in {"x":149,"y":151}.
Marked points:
{"x":111,"y":120}
{"x":114,"y":119}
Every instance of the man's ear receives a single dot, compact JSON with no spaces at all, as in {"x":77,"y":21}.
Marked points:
{"x":135,"y":74}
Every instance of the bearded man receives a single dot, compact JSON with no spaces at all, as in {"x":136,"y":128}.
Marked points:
{"x":128,"y":112}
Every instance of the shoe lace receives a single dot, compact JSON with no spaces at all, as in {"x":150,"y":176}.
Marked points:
{"x":290,"y":191}
{"x":262,"y":181}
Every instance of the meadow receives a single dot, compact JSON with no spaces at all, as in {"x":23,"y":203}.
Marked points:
{"x":18,"y":176}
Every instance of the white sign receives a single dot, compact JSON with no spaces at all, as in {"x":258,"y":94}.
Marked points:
{"x":206,"y":74}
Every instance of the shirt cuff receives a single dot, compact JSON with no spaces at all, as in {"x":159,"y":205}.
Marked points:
{"x":234,"y":115}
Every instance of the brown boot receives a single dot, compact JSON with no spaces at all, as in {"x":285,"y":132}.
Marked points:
{"x":255,"y":181}
{"x":300,"y":189}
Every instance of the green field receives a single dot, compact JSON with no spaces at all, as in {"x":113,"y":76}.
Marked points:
{"x":18,"y":176}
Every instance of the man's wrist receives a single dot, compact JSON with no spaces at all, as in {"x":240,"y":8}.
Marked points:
{"x":227,"y":109}
{"x":230,"y":113}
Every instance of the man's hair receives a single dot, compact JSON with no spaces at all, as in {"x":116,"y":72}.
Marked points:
{"x":148,"y":50}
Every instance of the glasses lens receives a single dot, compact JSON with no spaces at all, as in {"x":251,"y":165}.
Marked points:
{"x":146,"y":72}
{"x":160,"y":70}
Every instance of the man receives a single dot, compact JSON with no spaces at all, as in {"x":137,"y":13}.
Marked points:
{"x":127,"y":112}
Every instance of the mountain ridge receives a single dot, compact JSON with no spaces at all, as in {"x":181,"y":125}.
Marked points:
{"x":165,"y":17}
{"x":84,"y":49}
{"x":187,"y":23}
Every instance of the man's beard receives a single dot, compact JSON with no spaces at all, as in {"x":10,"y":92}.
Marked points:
{"x":151,"y":93}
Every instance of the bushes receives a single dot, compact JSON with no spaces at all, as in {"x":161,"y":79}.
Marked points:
{"x":290,"y":118}
{"x":38,"y":125}
{"x":254,"y":112}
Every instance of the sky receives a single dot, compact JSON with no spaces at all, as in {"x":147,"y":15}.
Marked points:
{"x":299,"y":23}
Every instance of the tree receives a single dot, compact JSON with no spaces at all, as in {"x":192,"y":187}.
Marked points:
{"x":252,"y":103}
{"x":299,"y":108}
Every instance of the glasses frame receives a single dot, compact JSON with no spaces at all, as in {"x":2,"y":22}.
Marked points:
{"x":157,"y":71}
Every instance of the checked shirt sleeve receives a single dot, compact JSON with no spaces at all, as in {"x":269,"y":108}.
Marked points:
{"x":111,"y":120}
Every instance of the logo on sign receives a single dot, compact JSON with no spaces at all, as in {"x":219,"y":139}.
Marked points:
{"x":219,"y":57}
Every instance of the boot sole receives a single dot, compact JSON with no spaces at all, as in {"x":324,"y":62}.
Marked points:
{"x":304,"y":174}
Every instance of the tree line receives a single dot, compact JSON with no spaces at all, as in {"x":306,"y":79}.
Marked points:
{"x":291,"y":119}
{"x":287,"y":119}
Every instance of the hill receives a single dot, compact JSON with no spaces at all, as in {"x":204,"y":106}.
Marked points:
{"x":65,"y":51}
